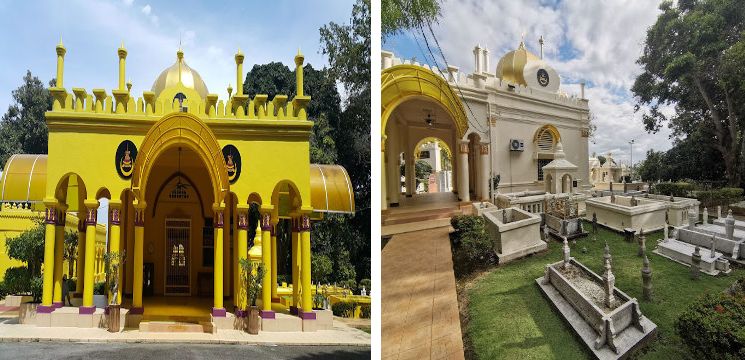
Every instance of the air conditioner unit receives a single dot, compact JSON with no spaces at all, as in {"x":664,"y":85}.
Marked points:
{"x":517,"y":145}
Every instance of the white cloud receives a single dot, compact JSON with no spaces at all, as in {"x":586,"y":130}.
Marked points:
{"x":146,"y":9}
{"x":603,"y":40}
{"x":128,"y":2}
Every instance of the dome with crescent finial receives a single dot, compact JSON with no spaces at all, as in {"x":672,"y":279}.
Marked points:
{"x":180,"y":72}
{"x":522,"y":67}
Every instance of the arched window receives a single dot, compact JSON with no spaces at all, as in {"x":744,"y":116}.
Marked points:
{"x":546,"y":138}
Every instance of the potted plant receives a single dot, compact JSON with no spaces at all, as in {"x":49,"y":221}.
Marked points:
{"x":251,"y":275}
{"x":112,"y":262}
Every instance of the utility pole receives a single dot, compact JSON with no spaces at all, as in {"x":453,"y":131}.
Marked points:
{"x":631,"y":145}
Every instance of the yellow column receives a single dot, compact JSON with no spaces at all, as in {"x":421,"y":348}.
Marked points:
{"x":137,"y":266}
{"x":115,"y":208}
{"x":305,"y":253}
{"x":60,"y":63}
{"x":80,"y":261}
{"x":91,"y":212}
{"x":122,"y":52}
{"x":59,"y":248}
{"x":50,"y":221}
{"x":295,"y":267}
{"x":266,"y":258}
{"x":299,"y":58}
{"x":242,"y":252}
{"x":274,"y":263}
{"x":218,"y":309}
{"x":239,"y":72}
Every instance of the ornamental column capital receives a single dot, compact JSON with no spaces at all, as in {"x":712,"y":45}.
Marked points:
{"x":304,"y":223}
{"x":91,"y":211}
{"x":463,"y":146}
{"x":219,"y":209}
{"x":139,"y":217}
{"x":242,"y":210}
{"x":266,"y":217}
{"x":484,"y":148}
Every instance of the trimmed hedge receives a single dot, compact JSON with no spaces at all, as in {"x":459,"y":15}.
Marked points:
{"x":344,"y":308}
{"x":680,"y":189}
{"x":17,"y":280}
{"x":3,"y":291}
{"x":713,"y":327}
{"x":723,"y":196}
{"x":472,"y":246}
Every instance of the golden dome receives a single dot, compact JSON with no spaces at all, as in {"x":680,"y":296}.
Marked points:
{"x":179,"y":71}
{"x":512,"y":65}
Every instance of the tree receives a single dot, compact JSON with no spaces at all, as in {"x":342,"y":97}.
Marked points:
{"x":601,"y":159}
{"x":348,"y":50}
{"x":28,"y":247}
{"x":23,"y":128}
{"x":70,"y":250}
{"x":693,"y":59}
{"x":422,"y":170}
{"x":399,"y":15}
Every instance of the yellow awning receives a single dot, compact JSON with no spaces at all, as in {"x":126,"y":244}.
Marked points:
{"x":24,"y":179}
{"x":330,"y":189}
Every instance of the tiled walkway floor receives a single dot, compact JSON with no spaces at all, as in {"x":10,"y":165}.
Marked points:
{"x":420,"y":306}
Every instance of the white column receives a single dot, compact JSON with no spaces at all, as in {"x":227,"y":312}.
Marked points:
{"x":410,"y":172}
{"x":463,"y":171}
{"x":394,"y":172}
{"x":484,"y":171}
{"x":383,"y":195}
{"x":477,"y":171}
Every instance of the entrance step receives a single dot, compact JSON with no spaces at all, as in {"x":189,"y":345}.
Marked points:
{"x":177,"y":326}
{"x":407,"y":217}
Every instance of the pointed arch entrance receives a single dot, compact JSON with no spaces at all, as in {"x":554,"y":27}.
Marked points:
{"x":175,"y":136}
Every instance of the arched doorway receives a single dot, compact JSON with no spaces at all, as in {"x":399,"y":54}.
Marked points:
{"x":434,"y":166}
{"x":416,"y":104}
{"x":180,"y":186}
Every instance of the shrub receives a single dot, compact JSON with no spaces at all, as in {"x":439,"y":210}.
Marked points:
{"x":365,"y":311}
{"x":723,"y":196}
{"x":17,"y":280}
{"x":712,"y":327}
{"x":3,"y":291}
{"x":37,"y":288}
{"x":283,"y":278}
{"x":472,"y":246}
{"x":99,"y":288}
{"x":318,"y":300}
{"x":344,"y":308}
{"x":675,"y":189}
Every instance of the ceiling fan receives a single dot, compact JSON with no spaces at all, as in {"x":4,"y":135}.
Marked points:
{"x":429,"y":120}
{"x":180,"y":185}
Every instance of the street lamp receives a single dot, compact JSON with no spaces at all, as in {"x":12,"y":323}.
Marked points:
{"x":631,"y":145}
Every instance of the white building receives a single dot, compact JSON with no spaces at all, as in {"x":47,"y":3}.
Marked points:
{"x":516,"y":109}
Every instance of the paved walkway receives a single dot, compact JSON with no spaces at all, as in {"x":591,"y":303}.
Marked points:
{"x":420,"y":317}
{"x":342,"y":334}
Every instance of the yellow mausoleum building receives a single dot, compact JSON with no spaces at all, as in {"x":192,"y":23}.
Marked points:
{"x":181,"y":168}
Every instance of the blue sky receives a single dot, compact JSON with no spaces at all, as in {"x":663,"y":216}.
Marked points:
{"x":210,"y":33}
{"x":591,"y":40}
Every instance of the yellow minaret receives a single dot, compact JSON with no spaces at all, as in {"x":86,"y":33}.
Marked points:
{"x":60,"y":63}
{"x":122,"y":64}
{"x":299,"y":58}
{"x":239,"y":72}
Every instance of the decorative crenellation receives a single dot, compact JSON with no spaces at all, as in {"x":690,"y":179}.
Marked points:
{"x":237,"y":107}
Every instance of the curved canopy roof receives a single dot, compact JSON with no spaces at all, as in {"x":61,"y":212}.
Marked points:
{"x":330,"y":189}
{"x":24,"y":178}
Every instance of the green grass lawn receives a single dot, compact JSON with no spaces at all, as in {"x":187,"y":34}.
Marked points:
{"x":509,"y":318}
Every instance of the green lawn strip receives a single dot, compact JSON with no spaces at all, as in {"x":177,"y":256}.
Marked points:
{"x":510,"y":318}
